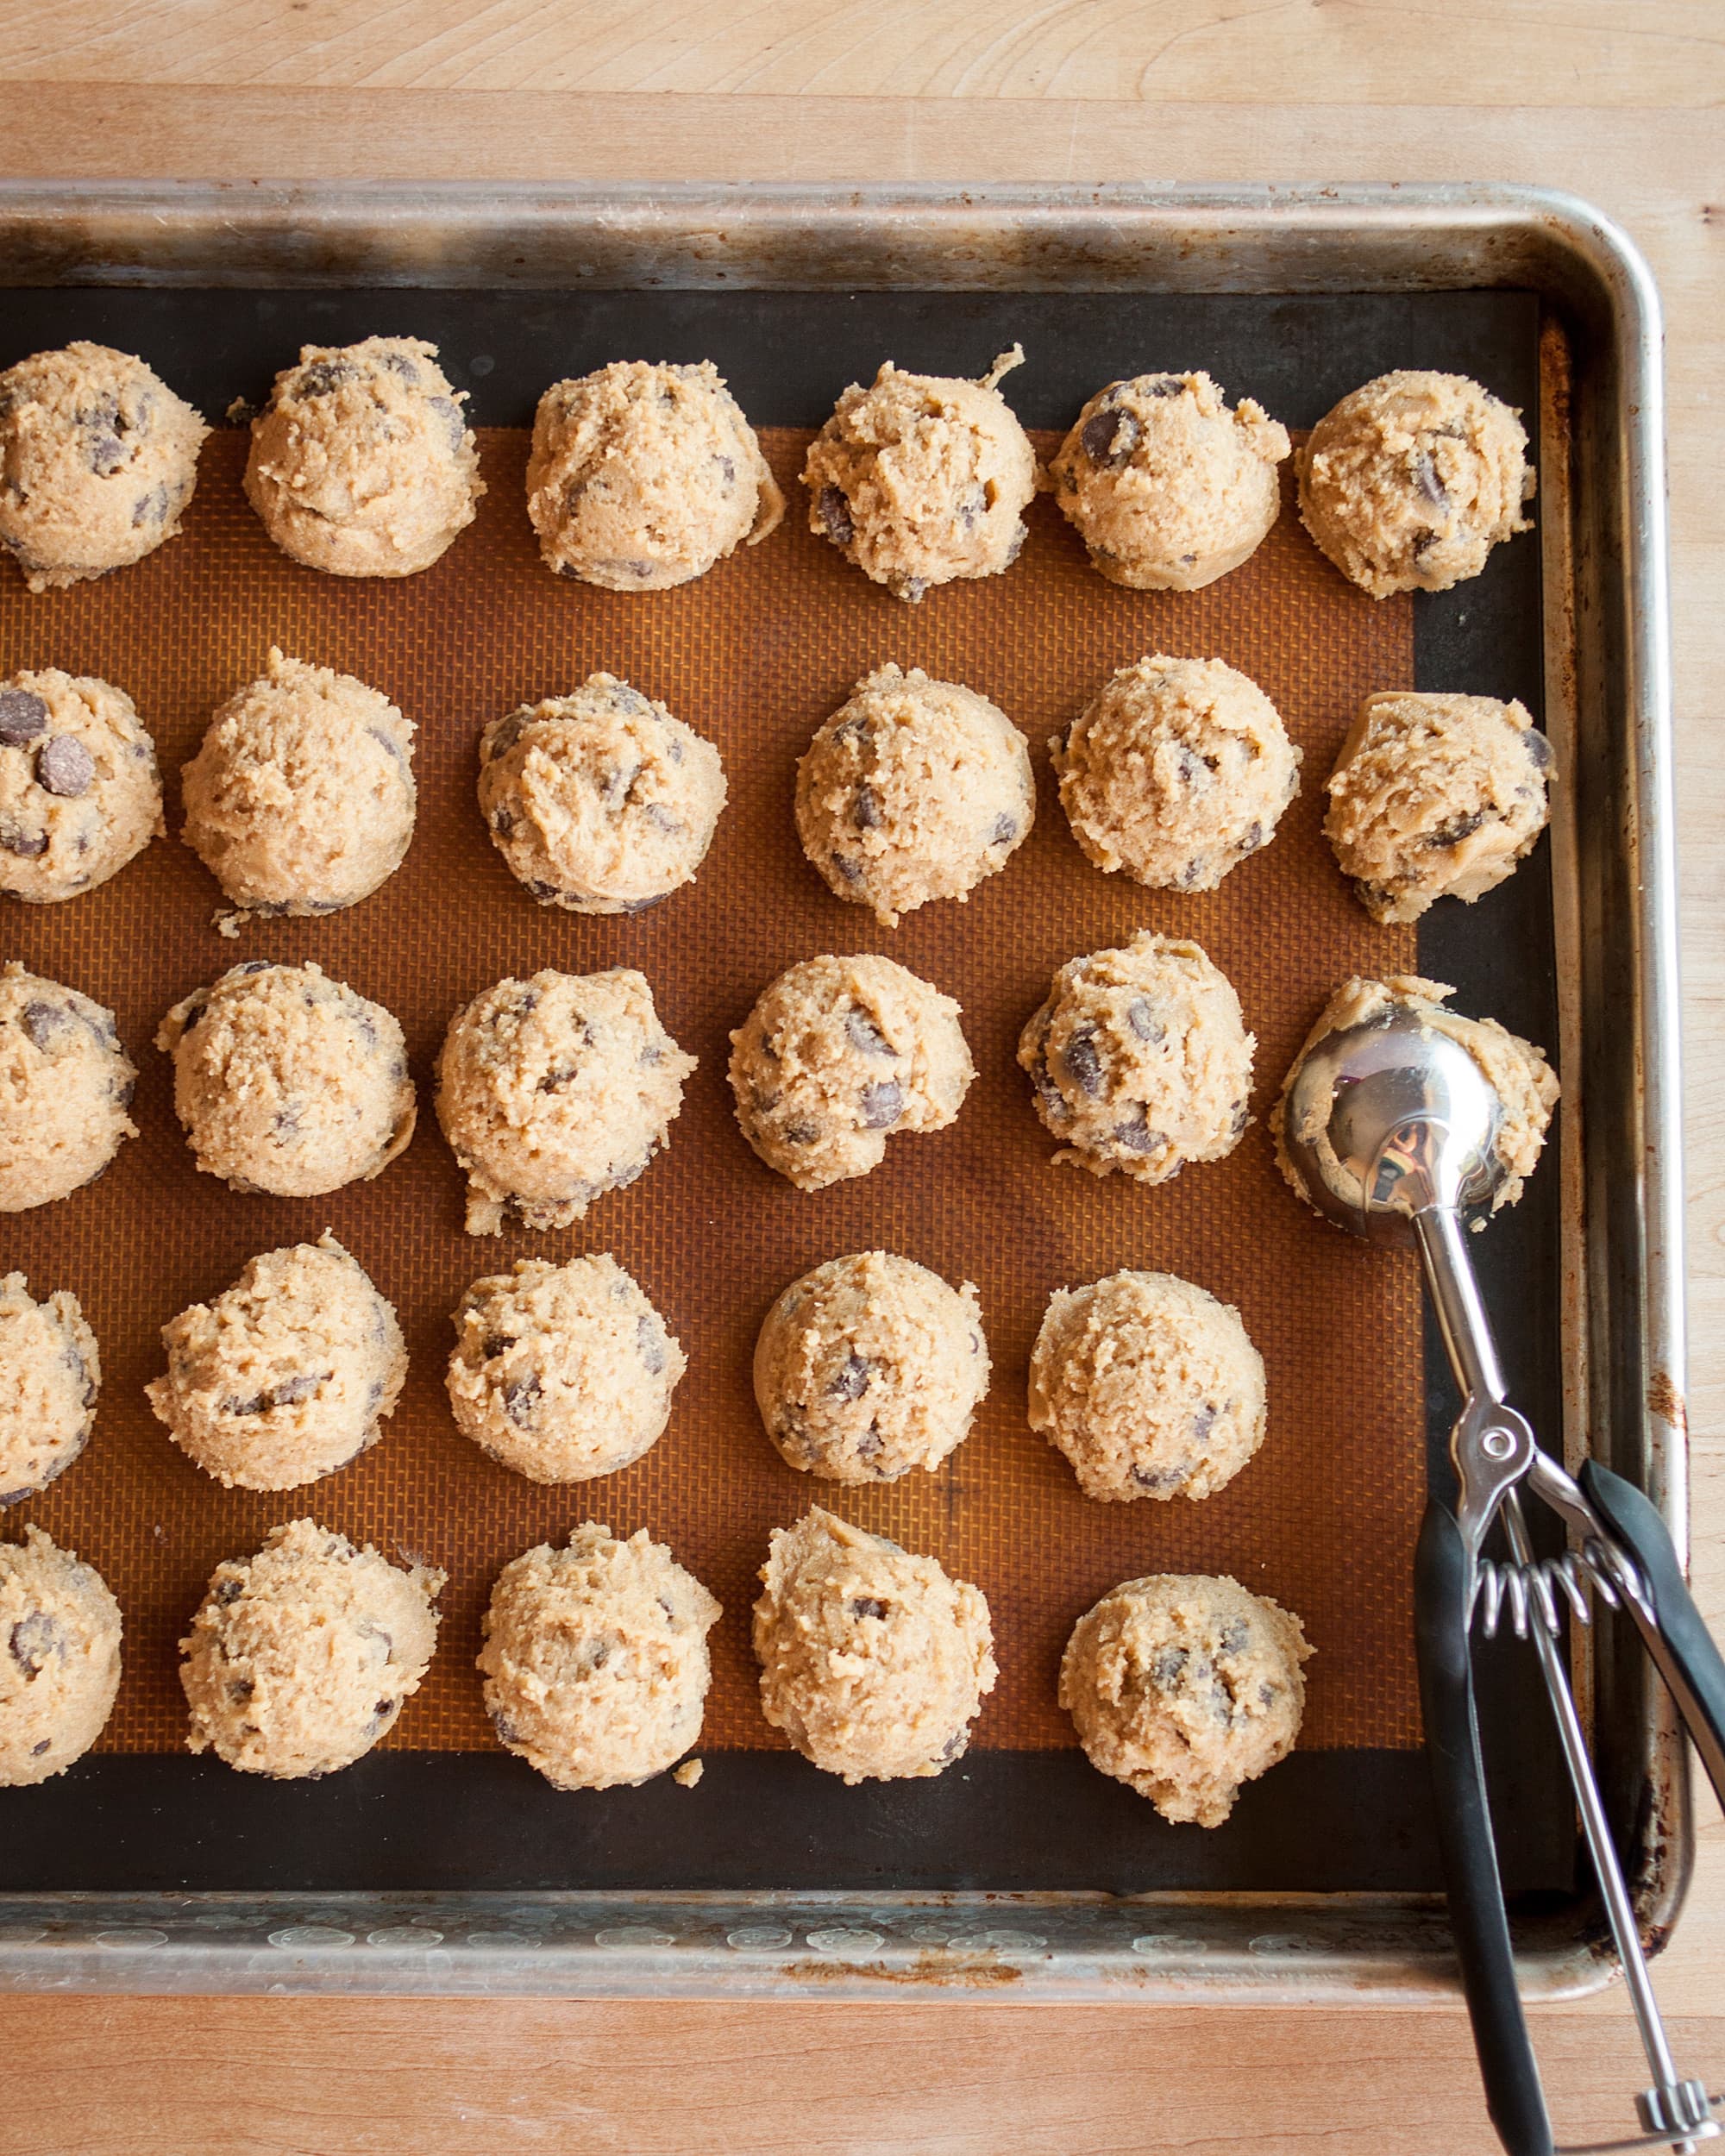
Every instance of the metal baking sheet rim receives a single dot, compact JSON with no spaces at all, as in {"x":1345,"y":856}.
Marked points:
{"x":1362,"y":1948}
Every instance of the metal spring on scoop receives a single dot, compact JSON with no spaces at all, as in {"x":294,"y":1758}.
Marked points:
{"x":1531,"y":1590}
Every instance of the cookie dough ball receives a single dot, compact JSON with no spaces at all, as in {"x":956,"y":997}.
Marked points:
{"x":869,"y":1366}
{"x":920,"y":479}
{"x":595,"y":1659}
{"x":913,"y":790}
{"x":1140,"y":1060}
{"x":836,"y":1055}
{"x":1435,"y":797}
{"x":97,"y":458}
{"x":60,"y":1669}
{"x":50,"y":1374}
{"x":643,"y":477}
{"x":1175,"y":772}
{"x":1518,"y":1072}
{"x":873,"y":1662}
{"x":1148,"y":1385}
{"x":363,"y":463}
{"x":554,"y":1090}
{"x":1168,"y":488}
{"x":1409,"y":482}
{"x":79,"y":792}
{"x":66,"y":1084}
{"x":562,"y":1372}
{"x":299,"y":1658}
{"x":1185,"y":1687}
{"x":286,"y":1376}
{"x":600,"y":802}
{"x":288,"y":1082}
{"x":301,"y":798}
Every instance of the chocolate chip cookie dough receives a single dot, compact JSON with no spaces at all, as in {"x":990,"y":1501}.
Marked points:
{"x":1435,"y":797}
{"x":50,"y":1375}
{"x":60,"y":1667}
{"x":1185,"y":1687}
{"x":602,"y":802}
{"x":562,"y":1372}
{"x":913,"y":790}
{"x":873,"y":1661}
{"x":287,"y":1082}
{"x":869,"y":1366}
{"x":97,"y":458}
{"x":1518,"y":1072}
{"x":301,"y":798}
{"x":1140,"y":1060}
{"x":79,"y":792}
{"x":363,"y":463}
{"x":595,"y":1659}
{"x":66,"y":1084}
{"x":643,"y":477}
{"x":299,"y":1658}
{"x":836,"y":1055}
{"x":1149,"y":1386}
{"x":1409,"y":483}
{"x":921,"y":478}
{"x":286,"y":1376}
{"x":1168,"y":488}
{"x":1175,"y":772}
{"x":554,"y":1090}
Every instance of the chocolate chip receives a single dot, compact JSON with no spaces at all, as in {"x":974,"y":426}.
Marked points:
{"x":804,"y":1133}
{"x":1253,"y":839}
{"x":972,"y":503}
{"x":1233,"y":1636}
{"x":225,"y":1592}
{"x":882,"y":1106}
{"x":863,"y":1033}
{"x":37,"y":1750}
{"x":508,"y":731}
{"x":1109,"y":437}
{"x":27,"y":844}
{"x":851,"y":1381}
{"x":520,"y":1400}
{"x":255,"y":965}
{"x":869,"y":1443}
{"x":256,"y":1405}
{"x":1202,"y":1423}
{"x":545,"y":891}
{"x":727,"y":471}
{"x":287,"y":1120}
{"x":954,"y":1744}
{"x":35,"y":1639}
{"x":639,"y":570}
{"x":1158,"y":1480}
{"x":41,"y":1021}
{"x":502,"y":823}
{"x":151,"y":508}
{"x":1452,"y":834}
{"x":1142,"y":1019}
{"x":323,"y":376}
{"x":560,"y":1076}
{"x":1083,"y":1062}
{"x":400,"y":363}
{"x":1004,"y":829}
{"x":1539,"y":750}
{"x":598,"y":1652}
{"x":385,"y":1709}
{"x":650,"y":1339}
{"x":1168,"y":1667}
{"x":22,"y":716}
{"x":911,"y":589}
{"x":65,"y":766}
{"x":292,"y":1390}
{"x":1429,"y":485}
{"x":1423,"y":543}
{"x":1135,"y":1133}
{"x":241,"y":1688}
{"x":15,"y":1496}
{"x":1159,"y":385}
{"x":868,"y":1605}
{"x":835,"y":514}
{"x":103,"y":451}
{"x":662,"y":818}
{"x":506,"y":1732}
{"x":850,"y":870}
{"x":497,"y":1344}
{"x":1239,"y":1120}
{"x":865,"y":812}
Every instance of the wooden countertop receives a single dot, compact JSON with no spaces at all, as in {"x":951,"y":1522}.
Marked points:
{"x":1618,"y":100}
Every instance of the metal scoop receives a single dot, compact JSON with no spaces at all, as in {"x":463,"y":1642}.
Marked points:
{"x":1392,"y":1128}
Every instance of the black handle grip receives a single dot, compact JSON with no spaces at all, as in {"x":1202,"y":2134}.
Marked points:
{"x":1691,"y":1665}
{"x":1512,"y":2095}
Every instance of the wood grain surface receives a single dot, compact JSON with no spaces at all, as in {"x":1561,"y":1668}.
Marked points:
{"x":1619,"y":100}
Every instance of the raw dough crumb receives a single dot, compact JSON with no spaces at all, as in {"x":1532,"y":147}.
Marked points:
{"x":873,"y":1661}
{"x":836,"y":1055}
{"x":921,"y":478}
{"x":1175,"y":772}
{"x":913,"y":790}
{"x":643,"y":477}
{"x":1517,"y":1071}
{"x":1168,"y":488}
{"x":66,"y":1084}
{"x":595,"y":1660}
{"x":299,"y":1658}
{"x":1140,"y":1060}
{"x":562,"y":1372}
{"x":1435,"y":797}
{"x":600,"y":802}
{"x":98,"y":458}
{"x":869,"y":1366}
{"x":1149,"y":1386}
{"x":79,"y":792}
{"x":1185,"y":1687}
{"x":286,"y":1376}
{"x":1409,"y":483}
{"x":554,"y":1090}
{"x":61,"y":1669}
{"x":363,"y":464}
{"x":301,"y":798}
{"x":50,"y":1374}
{"x":688,"y":1774}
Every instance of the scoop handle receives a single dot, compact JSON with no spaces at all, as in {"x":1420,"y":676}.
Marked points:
{"x":1513,"y":2096}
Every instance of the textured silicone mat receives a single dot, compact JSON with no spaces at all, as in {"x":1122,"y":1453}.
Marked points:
{"x":754,"y":655}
